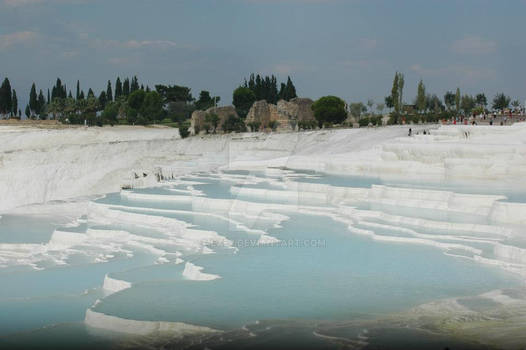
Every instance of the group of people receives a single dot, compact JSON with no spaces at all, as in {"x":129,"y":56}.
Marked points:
{"x":425,"y":132}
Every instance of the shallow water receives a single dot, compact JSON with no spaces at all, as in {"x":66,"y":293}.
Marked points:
{"x":316,"y":270}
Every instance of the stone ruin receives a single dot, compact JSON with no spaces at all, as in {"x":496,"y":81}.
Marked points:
{"x":287,"y":114}
{"x":199,"y":118}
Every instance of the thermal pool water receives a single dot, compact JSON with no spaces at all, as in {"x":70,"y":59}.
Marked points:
{"x":226,"y":252}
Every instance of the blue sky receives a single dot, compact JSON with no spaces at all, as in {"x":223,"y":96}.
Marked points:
{"x":348,"y":48}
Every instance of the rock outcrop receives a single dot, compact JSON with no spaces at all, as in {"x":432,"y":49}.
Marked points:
{"x":286,"y":114}
{"x":198,"y":121}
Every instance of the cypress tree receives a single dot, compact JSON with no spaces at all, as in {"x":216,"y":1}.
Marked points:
{"x":291,"y":90}
{"x":41,"y":103}
{"x":5,"y":97}
{"x":81,"y":96}
{"x":48,"y":97}
{"x":33,"y":100}
{"x":126,"y":87}
{"x":103,"y":99}
{"x":28,"y":112}
{"x":118,"y":89}
{"x":78,"y":89}
{"x":109,"y":93}
{"x":91,"y":94}
{"x":70,"y":95}
{"x":134,"y":84}
{"x":14,"y":103}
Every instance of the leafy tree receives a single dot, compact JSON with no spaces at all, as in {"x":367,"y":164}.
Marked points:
{"x":357,"y":109}
{"x":6,"y":98}
{"x":397,"y":92}
{"x":449,"y":100}
{"x":467,"y":104}
{"x":110,"y":113}
{"x":109,"y":92}
{"x":481,"y":100}
{"x":501,"y":102}
{"x":174,"y":93}
{"x":370,"y":104}
{"x":389,"y":102}
{"x":380,"y":107}
{"x":434,"y":103}
{"x":205,"y":101}
{"x":152,"y":106}
{"x":421,"y":97}
{"x":457,"y":100}
{"x":136,"y":99}
{"x":329,"y":109}
{"x":243,"y":99}
{"x":118,"y":88}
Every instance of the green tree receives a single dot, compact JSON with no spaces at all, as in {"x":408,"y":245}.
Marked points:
{"x":136,"y":99}
{"x":152,"y":106}
{"x":481,"y":100}
{"x":206,"y":101}
{"x":14,"y":103}
{"x":78,"y":90}
{"x":6,"y":98}
{"x":234,"y":124}
{"x":501,"y":102}
{"x":329,"y":109}
{"x":110,"y":113}
{"x":467,"y":104}
{"x":41,"y":104}
{"x":109,"y":92}
{"x":243,"y":99}
{"x":213,"y":120}
{"x":174,"y":93}
{"x":457,"y":101}
{"x":91,"y":94}
{"x":103,"y":100}
{"x":33,"y":99}
{"x":357,"y":109}
{"x":118,"y":88}
{"x":449,"y":100}
{"x":421,"y":97}
{"x":126,"y":87}
{"x":134,"y":84}
{"x":28,"y":112}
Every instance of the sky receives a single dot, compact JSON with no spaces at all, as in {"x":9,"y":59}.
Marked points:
{"x":347,"y":48}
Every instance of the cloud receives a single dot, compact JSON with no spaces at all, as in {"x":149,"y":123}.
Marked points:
{"x":368,"y":44}
{"x":17,"y":38}
{"x":162,"y":44}
{"x":463,"y":71}
{"x":474,"y":45}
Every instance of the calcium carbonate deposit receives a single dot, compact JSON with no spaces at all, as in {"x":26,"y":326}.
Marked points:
{"x":117,"y":235}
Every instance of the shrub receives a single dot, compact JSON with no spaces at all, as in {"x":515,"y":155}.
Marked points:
{"x":183,"y":129}
{"x":363,"y":122}
{"x":234,"y":124}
